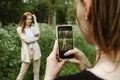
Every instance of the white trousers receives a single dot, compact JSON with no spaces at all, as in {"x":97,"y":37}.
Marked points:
{"x":25,"y":66}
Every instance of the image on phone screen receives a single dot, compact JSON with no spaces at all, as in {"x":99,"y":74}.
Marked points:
{"x":65,"y":40}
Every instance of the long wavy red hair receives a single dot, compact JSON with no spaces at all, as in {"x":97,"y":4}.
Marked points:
{"x":23,"y":21}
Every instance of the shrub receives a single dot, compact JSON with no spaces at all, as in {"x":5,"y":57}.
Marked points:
{"x":9,"y":49}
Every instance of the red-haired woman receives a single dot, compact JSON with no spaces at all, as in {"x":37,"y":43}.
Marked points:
{"x":30,"y":51}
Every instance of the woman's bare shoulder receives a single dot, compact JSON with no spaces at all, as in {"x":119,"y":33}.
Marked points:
{"x":19,"y":29}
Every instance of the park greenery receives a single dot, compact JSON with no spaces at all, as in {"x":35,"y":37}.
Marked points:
{"x":49,"y":13}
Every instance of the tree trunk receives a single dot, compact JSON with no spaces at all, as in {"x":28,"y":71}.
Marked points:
{"x":54,"y":19}
{"x":54,"y":14}
{"x":49,"y":20}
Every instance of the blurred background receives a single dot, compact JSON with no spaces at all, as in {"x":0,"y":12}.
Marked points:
{"x":49,"y":13}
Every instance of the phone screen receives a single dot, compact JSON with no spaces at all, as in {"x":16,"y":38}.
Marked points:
{"x":65,"y":40}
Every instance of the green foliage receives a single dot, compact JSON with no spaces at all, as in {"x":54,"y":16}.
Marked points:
{"x":46,"y":43}
{"x":9,"y":53}
{"x":12,"y":11}
{"x":42,"y":11}
{"x":10,"y":46}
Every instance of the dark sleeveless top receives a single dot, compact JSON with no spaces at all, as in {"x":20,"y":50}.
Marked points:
{"x":83,"y":75}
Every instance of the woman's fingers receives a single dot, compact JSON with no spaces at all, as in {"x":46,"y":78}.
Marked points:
{"x":60,"y":64}
{"x":75,"y":51}
{"x":73,"y":60}
{"x":71,"y":52}
{"x":54,"y":53}
{"x":55,"y":49}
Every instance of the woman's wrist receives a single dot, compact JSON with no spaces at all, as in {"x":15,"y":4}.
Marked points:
{"x":81,"y":67}
{"x":35,"y":21}
{"x":49,"y":77}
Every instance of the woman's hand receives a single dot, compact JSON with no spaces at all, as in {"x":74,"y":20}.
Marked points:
{"x":79,"y":58}
{"x":34,"y":18}
{"x":53,"y":66}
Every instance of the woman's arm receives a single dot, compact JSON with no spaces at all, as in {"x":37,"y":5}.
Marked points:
{"x":25,"y":39}
{"x":37,"y":31}
{"x":53,"y":66}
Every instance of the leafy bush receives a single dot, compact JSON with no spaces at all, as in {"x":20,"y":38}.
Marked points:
{"x":10,"y":46}
{"x":9,"y":49}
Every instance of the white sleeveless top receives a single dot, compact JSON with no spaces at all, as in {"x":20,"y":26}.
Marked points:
{"x":29,"y":34}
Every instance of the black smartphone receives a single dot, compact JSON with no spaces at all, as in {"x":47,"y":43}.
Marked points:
{"x":65,"y":40}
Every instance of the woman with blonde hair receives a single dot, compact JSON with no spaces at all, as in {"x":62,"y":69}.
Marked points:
{"x":30,"y":51}
{"x":99,"y":23}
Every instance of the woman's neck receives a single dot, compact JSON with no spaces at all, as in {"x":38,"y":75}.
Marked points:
{"x":111,"y":57}
{"x":27,"y":26}
{"x":106,"y":68}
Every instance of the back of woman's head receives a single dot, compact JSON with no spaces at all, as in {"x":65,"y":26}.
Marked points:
{"x":106,"y":24}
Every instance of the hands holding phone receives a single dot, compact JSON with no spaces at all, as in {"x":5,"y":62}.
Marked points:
{"x":54,"y":66}
{"x":64,"y":52}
